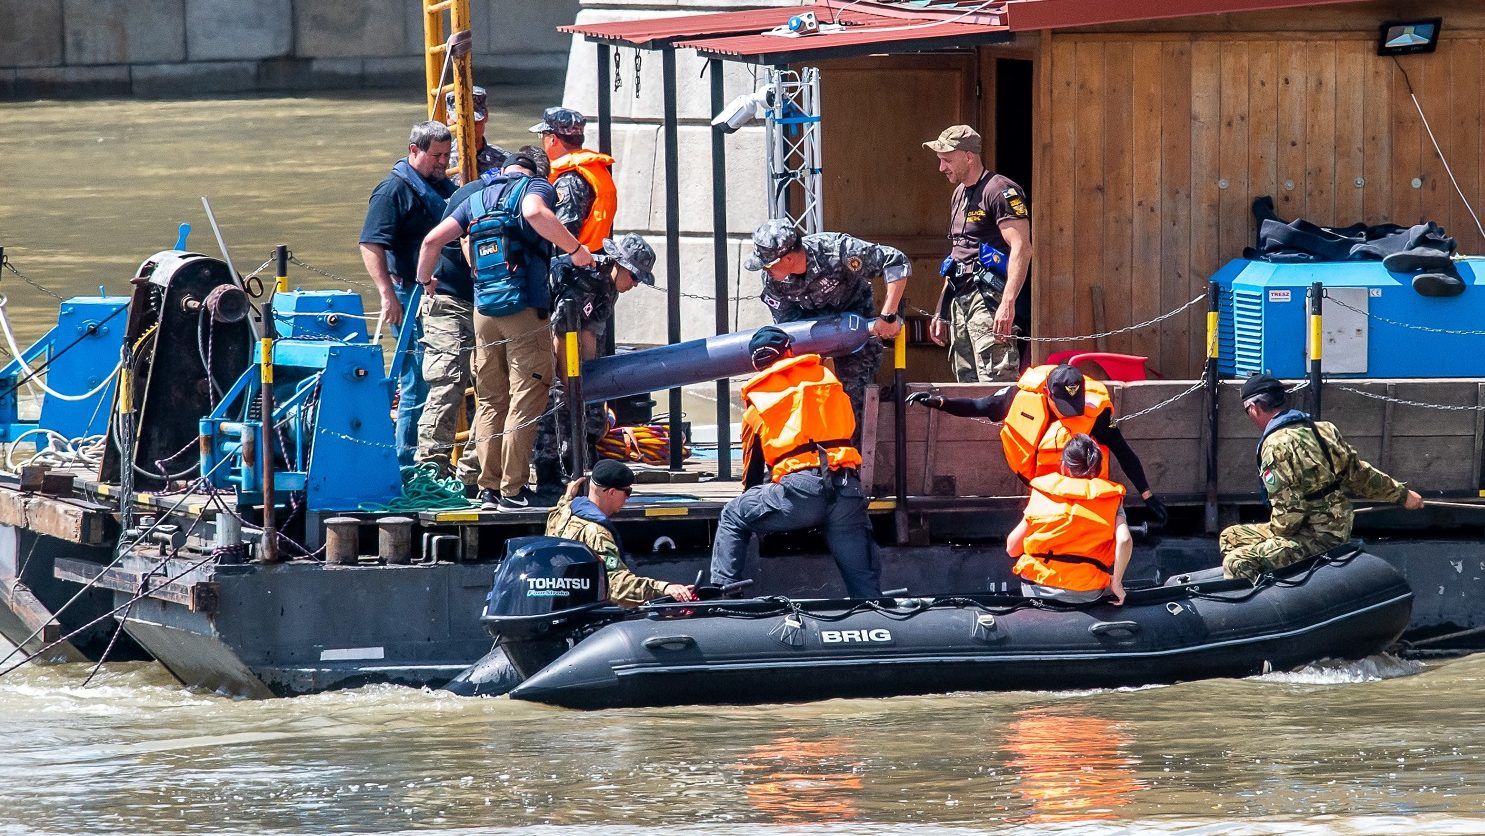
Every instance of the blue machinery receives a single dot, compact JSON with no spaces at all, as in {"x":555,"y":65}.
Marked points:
{"x":78,"y":360}
{"x":333,"y":436}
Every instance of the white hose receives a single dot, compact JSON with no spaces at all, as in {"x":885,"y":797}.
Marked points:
{"x":30,"y":377}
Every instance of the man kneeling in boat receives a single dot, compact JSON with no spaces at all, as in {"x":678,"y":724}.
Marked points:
{"x":1306,"y":468}
{"x":584,"y":517}
{"x":797,"y":430}
{"x":1074,"y":544}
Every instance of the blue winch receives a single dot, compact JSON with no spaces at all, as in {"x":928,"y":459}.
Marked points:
{"x":332,"y":426}
{"x":78,"y":360}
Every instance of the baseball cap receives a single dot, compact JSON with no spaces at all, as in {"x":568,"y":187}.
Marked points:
{"x":608,"y":473}
{"x":480,"y":109}
{"x":768,"y":344}
{"x":956,"y":138}
{"x":772,"y":240}
{"x":1262,"y":384}
{"x":561,"y":121}
{"x":1065,"y":388}
{"x":532,"y":158}
{"x":633,"y":254}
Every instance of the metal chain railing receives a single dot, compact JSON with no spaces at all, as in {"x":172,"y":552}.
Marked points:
{"x":1200,"y":382}
{"x":1098,"y":335}
{"x":1408,"y":325}
{"x":6,"y":262}
{"x":298,"y":262}
{"x":1405,"y":402}
{"x":701,"y":296}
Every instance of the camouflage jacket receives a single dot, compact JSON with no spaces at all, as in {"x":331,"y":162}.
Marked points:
{"x":1307,"y":493}
{"x":624,"y":587}
{"x":837,"y":278}
{"x":489,"y":157}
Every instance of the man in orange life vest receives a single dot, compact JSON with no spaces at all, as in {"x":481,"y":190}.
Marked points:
{"x":586,"y":195}
{"x":798,"y":425}
{"x":1073,"y":545}
{"x":1047,"y":407}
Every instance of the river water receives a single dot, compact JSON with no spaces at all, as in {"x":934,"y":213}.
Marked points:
{"x":91,"y":189}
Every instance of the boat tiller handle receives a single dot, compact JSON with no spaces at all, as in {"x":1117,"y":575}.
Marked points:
{"x":1115,"y":629}
{"x":669,"y":642}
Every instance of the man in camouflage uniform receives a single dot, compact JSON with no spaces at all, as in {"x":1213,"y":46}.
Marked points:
{"x":489,"y":157}
{"x":585,"y":295}
{"x":1306,"y":468}
{"x":828,"y":274}
{"x":584,"y":517}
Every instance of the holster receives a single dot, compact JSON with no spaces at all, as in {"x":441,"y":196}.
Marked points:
{"x":970,"y":277}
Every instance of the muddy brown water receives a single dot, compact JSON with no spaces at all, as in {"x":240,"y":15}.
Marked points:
{"x":88,"y":190}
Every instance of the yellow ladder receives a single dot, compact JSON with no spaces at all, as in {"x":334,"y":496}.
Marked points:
{"x":437,"y":27}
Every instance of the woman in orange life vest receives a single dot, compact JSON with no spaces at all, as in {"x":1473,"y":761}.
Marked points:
{"x":1052,"y":404}
{"x":1073,"y":545}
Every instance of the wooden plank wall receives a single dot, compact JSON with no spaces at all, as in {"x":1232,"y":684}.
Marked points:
{"x":1153,"y":144}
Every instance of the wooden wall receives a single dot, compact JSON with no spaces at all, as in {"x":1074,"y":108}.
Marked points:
{"x":1152,"y":145}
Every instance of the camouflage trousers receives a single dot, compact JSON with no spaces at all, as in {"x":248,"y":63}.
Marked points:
{"x":448,"y":337}
{"x":1250,"y":550}
{"x":856,"y":372}
{"x":554,"y":437}
{"x":975,"y":355}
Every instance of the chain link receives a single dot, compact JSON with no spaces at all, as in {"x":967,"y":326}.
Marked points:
{"x":254,"y":274}
{"x":1410,"y":326}
{"x":449,"y":445}
{"x":298,"y":262}
{"x":1200,"y":382}
{"x":700,"y":296}
{"x":1388,"y":398}
{"x":1100,"y":335}
{"x":30,"y":281}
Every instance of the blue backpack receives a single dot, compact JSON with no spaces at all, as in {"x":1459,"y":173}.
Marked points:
{"x":498,"y":251}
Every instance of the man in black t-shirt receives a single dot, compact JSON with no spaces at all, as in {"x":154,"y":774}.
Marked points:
{"x":988,"y":264}
{"x":402,"y":209}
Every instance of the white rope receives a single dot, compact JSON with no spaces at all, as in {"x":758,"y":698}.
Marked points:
{"x":1447,"y":168}
{"x":30,"y":377}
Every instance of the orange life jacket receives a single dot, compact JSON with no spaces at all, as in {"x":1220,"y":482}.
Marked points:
{"x":1033,"y":435}
{"x":1070,"y":525}
{"x":594,"y":168}
{"x":794,"y":405}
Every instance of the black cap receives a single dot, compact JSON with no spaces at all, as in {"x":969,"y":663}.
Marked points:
{"x":1065,"y":387}
{"x":608,"y":473}
{"x":1262,"y":384}
{"x":768,"y":344}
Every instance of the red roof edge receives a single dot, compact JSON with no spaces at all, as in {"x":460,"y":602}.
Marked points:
{"x":1024,"y":15}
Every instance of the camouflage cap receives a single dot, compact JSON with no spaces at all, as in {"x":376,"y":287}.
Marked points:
{"x":481,"y":109}
{"x":562,"y":121}
{"x":772,"y":241}
{"x":633,"y":254}
{"x":956,"y":138}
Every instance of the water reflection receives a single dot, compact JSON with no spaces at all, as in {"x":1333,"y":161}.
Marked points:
{"x":1070,"y":764}
{"x":792,"y":780}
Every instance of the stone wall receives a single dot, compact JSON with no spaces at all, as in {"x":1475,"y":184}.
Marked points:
{"x":640,"y":169}
{"x":164,"y":48}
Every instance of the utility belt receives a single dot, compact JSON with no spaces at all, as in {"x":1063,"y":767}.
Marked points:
{"x":970,"y":277}
{"x":834,"y":478}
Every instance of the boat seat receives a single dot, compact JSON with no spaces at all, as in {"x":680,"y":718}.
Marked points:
{"x":1103,"y":365}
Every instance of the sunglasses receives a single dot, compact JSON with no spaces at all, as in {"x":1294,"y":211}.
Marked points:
{"x":629,"y":491}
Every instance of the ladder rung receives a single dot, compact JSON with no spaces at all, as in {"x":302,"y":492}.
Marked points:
{"x":437,"y":50}
{"x":441,"y":6}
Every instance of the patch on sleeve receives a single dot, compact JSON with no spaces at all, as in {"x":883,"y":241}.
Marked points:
{"x":1016,"y":202}
{"x":1271,"y":479}
{"x":772,"y":301}
{"x":853,"y":263}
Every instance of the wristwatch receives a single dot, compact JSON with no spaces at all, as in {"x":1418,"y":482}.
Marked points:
{"x":888,"y":318}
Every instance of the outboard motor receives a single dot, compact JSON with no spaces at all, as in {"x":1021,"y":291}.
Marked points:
{"x":546,"y":590}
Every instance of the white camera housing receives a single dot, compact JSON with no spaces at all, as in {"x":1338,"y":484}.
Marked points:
{"x":744,"y":109}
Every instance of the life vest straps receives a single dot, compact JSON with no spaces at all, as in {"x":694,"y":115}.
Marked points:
{"x":1075,"y":558}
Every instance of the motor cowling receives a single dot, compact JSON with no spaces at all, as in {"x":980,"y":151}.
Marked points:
{"x":544,"y":591}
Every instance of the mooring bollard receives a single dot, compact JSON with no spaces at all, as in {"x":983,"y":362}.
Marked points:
{"x":394,"y":540}
{"x":342,"y":541}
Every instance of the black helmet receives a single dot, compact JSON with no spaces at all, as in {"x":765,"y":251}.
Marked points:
{"x":768,"y":344}
{"x":1262,"y":384}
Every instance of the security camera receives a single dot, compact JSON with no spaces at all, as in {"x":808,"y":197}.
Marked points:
{"x":744,"y":109}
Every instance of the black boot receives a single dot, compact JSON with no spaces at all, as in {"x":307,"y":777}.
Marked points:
{"x":1437,"y":284}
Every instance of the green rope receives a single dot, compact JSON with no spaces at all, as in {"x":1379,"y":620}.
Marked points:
{"x":423,"y":489}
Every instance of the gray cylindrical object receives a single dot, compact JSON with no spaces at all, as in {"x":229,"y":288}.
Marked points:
{"x":229,"y":530}
{"x":342,"y":540}
{"x":725,"y":355}
{"x":394,"y":539}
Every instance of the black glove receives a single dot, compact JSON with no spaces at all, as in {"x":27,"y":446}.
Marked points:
{"x":927,"y":399}
{"x":1158,"y":514}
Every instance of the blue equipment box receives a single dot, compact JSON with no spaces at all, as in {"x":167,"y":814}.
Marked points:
{"x":1372,"y":321}
{"x":320,"y":315}
{"x":80,"y":356}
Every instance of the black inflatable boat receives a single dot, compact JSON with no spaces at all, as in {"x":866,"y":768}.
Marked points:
{"x":559,"y":643}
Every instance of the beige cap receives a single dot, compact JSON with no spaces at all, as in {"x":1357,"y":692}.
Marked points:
{"x":956,"y":138}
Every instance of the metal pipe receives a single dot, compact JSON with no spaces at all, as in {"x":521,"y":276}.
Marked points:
{"x":899,"y":433}
{"x":268,"y":549}
{"x":672,"y":244}
{"x":1317,"y":292}
{"x":1210,"y":515}
{"x":281,"y":278}
{"x":605,"y":101}
{"x":719,"y":268}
